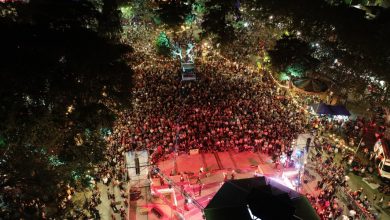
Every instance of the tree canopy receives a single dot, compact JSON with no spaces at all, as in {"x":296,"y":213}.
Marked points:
{"x":62,"y":81}
{"x":290,"y":51}
{"x":215,"y":20}
{"x":173,"y":12}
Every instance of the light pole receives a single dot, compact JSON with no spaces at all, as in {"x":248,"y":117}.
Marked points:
{"x":357,"y":149}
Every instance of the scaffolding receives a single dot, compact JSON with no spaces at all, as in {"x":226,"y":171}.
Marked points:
{"x":172,"y":184}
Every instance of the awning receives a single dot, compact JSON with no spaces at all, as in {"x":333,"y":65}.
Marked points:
{"x":324,"y":109}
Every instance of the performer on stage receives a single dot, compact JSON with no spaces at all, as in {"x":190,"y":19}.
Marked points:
{"x":233,"y":175}
{"x":225,"y":176}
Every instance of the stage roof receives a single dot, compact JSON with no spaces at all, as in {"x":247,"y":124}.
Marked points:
{"x":239,"y":199}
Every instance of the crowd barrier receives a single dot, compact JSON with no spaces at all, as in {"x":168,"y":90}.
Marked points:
{"x":361,"y":211}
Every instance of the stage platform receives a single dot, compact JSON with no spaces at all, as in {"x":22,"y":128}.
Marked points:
{"x":229,"y":160}
{"x":245,"y":164}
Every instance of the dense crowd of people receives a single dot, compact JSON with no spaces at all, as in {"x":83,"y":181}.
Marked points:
{"x":227,"y":107}
{"x":332,"y":176}
{"x":333,"y":186}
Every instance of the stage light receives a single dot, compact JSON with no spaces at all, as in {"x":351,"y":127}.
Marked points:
{"x":69,"y":109}
{"x":298,"y":153}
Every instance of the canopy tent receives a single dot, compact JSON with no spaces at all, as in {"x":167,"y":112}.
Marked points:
{"x":324,"y":109}
{"x":310,"y":85}
{"x":258,"y":197}
{"x":137,"y":164}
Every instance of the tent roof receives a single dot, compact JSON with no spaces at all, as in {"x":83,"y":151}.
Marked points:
{"x":266,"y":200}
{"x":310,"y":85}
{"x":302,"y":209}
{"x":235,"y":192}
{"x":340,"y":110}
{"x":324,"y":109}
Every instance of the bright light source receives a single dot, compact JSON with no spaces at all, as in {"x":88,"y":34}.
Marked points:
{"x":246,"y":24}
{"x":317,"y":45}
{"x":271,"y":17}
{"x":250,"y":213}
{"x":299,"y":33}
{"x":70,"y":109}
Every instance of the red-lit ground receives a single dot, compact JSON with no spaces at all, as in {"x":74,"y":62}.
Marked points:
{"x":244,"y":163}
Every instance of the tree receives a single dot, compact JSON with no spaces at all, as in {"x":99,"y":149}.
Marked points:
{"x":215,"y":22}
{"x":163,"y":44}
{"x":293,"y":52}
{"x":61,"y":14}
{"x":344,"y":27}
{"x":173,"y":12}
{"x":110,"y":20}
{"x":60,"y":85}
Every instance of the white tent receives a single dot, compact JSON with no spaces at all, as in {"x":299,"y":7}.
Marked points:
{"x":131,"y":165}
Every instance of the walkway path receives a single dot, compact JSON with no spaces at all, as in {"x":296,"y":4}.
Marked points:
{"x":104,"y":207}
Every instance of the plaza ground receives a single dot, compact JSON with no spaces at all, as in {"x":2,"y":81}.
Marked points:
{"x":245,"y":164}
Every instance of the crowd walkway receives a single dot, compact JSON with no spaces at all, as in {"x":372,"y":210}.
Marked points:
{"x":105,"y":207}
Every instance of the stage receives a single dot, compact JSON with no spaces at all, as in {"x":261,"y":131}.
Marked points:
{"x":170,"y":201}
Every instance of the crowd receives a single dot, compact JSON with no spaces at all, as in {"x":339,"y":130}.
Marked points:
{"x":333,"y":186}
{"x":228,"y":107}
{"x":113,"y":174}
{"x":332,"y":176}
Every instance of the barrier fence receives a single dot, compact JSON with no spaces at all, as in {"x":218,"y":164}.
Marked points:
{"x":361,"y":211}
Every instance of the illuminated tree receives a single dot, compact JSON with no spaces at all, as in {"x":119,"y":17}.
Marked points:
{"x":126,"y":11}
{"x":199,"y":7}
{"x":295,"y":70}
{"x":163,"y":44}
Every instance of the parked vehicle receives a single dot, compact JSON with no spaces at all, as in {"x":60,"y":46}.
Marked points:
{"x":382,"y":155}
